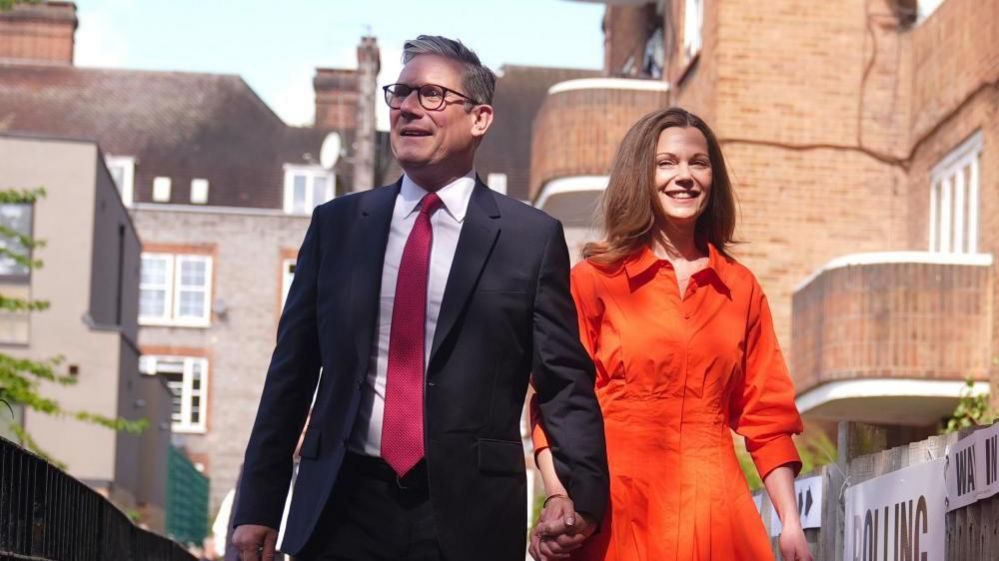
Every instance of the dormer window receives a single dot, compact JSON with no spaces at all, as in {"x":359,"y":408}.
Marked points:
{"x":199,"y":191}
{"x":122,"y":169}
{"x":161,"y":189}
{"x":306,"y":187}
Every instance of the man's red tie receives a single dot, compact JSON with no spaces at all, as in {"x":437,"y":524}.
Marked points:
{"x":402,"y":425}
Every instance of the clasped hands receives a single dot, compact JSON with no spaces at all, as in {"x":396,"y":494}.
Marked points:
{"x":560,"y":529}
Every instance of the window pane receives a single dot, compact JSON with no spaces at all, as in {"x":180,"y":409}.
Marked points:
{"x":16,"y":217}
{"x":196,"y":376}
{"x":154,"y":271}
{"x":319,"y":187}
{"x":152,"y":302}
{"x":192,"y":273}
{"x":192,"y":304}
{"x":299,"y":194}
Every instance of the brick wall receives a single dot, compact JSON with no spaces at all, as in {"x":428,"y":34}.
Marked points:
{"x":955,"y":55}
{"x":238,"y":344}
{"x":893,"y":320}
{"x":38,"y":33}
{"x":577,"y":132}
{"x":337,"y":93}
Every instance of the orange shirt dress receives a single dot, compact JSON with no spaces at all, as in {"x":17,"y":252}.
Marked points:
{"x":674,"y":374}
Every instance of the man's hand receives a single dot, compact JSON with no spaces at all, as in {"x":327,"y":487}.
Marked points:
{"x":255,"y":543}
{"x":560,"y":530}
{"x":792,"y":543}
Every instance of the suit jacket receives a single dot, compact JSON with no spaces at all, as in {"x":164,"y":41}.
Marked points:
{"x":506,"y":312}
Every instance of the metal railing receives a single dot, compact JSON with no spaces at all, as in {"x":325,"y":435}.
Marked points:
{"x":47,"y":515}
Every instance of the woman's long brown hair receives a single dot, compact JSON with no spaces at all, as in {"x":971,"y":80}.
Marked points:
{"x":633,"y":215}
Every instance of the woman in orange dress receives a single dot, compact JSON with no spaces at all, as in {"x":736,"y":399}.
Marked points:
{"x":684,"y":348}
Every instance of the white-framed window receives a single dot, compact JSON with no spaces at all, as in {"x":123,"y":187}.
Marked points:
{"x":955,"y":184}
{"x":199,"y":191}
{"x":187,"y":378}
{"x":306,"y":187}
{"x":15,"y":219}
{"x":497,"y":182}
{"x":693,"y":22}
{"x":161,"y":189}
{"x":122,"y":170}
{"x":287,"y":275}
{"x":175,"y":290}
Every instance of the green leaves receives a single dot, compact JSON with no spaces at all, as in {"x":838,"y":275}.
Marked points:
{"x":971,"y":410}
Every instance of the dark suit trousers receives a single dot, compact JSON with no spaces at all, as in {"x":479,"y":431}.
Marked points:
{"x":373,"y":516}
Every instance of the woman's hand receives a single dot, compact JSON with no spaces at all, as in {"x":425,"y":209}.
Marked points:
{"x":792,"y":543}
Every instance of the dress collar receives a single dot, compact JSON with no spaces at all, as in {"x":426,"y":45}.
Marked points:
{"x":644,"y":259}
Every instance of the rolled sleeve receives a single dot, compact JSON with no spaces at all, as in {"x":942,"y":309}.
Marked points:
{"x":762,"y":407}
{"x":775,"y":453}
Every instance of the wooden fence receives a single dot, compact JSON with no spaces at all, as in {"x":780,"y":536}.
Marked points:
{"x":972,"y":532}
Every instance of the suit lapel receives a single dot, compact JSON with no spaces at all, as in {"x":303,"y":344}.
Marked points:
{"x":475,"y":243}
{"x":369,"y":234}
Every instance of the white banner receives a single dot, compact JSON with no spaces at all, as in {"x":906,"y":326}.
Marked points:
{"x":900,"y":515}
{"x":809,"y":494}
{"x":972,"y":468}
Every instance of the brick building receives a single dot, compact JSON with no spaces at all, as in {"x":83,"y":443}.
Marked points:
{"x":220,"y":191}
{"x":853,"y":127}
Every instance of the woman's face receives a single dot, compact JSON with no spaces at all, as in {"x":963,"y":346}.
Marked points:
{"x":683,"y":175}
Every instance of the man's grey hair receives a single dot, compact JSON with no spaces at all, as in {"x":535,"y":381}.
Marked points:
{"x":478,"y":81}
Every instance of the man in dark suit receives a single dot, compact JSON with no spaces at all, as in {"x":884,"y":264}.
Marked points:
{"x":428,"y":304}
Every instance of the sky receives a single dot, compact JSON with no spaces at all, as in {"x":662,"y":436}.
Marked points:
{"x":275,"y":45}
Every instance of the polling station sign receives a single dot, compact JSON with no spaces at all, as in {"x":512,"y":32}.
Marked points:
{"x":971,"y":469}
{"x":899,"y":515}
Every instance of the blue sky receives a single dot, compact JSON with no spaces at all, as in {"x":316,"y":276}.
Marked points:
{"x":275,"y":45}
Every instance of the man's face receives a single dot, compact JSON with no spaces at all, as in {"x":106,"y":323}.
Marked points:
{"x":441,"y":138}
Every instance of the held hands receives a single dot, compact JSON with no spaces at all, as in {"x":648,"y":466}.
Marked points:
{"x":255,"y":543}
{"x":560,"y":530}
{"x":792,"y":543}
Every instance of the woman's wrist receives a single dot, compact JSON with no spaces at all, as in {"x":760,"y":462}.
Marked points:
{"x":553,"y":496}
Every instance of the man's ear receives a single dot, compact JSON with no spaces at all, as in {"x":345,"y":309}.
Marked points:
{"x":482,"y":118}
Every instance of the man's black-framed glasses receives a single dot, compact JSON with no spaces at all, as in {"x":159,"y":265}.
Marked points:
{"x":432,"y":97}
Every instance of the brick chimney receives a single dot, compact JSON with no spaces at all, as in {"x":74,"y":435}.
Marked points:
{"x":368,"y":64}
{"x":38,"y":33}
{"x":336,"y":98}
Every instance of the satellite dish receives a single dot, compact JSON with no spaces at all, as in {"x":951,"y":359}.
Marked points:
{"x":330,"y":151}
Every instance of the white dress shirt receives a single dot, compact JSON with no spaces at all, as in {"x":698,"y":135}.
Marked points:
{"x":446,"y":222}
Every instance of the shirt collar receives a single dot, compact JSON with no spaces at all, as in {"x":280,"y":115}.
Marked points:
{"x":454,"y":195}
{"x":644,"y":259}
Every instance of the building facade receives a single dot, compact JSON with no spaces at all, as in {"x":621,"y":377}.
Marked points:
{"x":220,"y":192}
{"x":848,"y":128}
{"x":90,"y":279}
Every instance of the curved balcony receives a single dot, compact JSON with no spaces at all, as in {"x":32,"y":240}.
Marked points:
{"x":891,"y":337}
{"x":576,"y":134}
